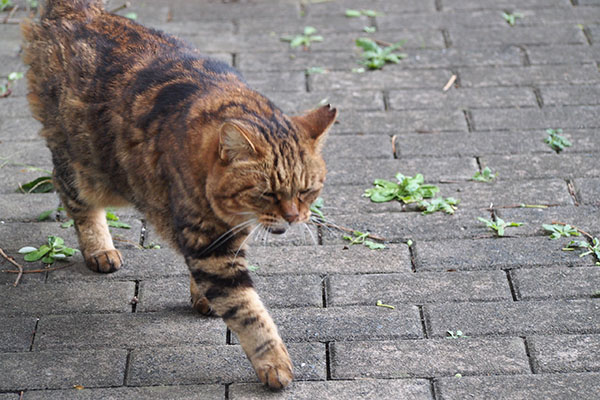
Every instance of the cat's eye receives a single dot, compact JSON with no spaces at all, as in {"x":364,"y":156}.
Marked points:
{"x":305,"y":192}
{"x":270,"y":195}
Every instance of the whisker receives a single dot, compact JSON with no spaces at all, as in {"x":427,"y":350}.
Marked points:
{"x":244,"y":242}
{"x":310,"y":233}
{"x":229,"y":234}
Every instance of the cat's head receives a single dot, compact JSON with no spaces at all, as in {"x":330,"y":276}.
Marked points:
{"x":270,"y":172}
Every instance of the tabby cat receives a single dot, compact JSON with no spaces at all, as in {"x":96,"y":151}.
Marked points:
{"x":135,"y":116}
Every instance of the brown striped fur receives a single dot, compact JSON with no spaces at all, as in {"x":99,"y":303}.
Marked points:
{"x":135,"y":116}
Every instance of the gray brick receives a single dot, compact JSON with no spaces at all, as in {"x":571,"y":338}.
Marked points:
{"x":402,"y":226}
{"x":345,"y":146}
{"x":275,"y":82}
{"x":33,"y":153}
{"x":214,"y":364}
{"x":462,"y":98}
{"x":584,"y":217}
{"x":9,"y":396}
{"x":543,"y":165}
{"x":399,"y":121}
{"x":298,"y":103}
{"x":428,"y":358}
{"x":556,"y":283}
{"x":10,"y":61}
{"x":9,"y":279}
{"x":529,"y":76}
{"x":515,"y":318}
{"x":183,"y":10}
{"x":517,"y":36}
{"x":442,"y":20}
{"x":502,"y":4}
{"x":494,"y":253}
{"x":542,"y":387}
{"x":386,"y":7}
{"x":19,"y":207}
{"x":589,"y":190}
{"x":291,"y":61}
{"x":274,"y":291}
{"x":16,"y":333}
{"x":388,"y":78}
{"x":61,"y":370}
{"x":139,"y":265}
{"x":571,"y":95}
{"x":187,"y":392}
{"x":330,"y":260}
{"x":36,"y":299}
{"x":15,"y":107}
{"x":564,"y":353}
{"x":419,"y":288}
{"x":433,"y":170}
{"x":347,"y":323}
{"x":365,"y":389}
{"x":19,"y":129}
{"x":326,"y":24}
{"x":523,"y":119}
{"x":195,"y":28}
{"x":96,"y":331}
{"x":562,"y":54}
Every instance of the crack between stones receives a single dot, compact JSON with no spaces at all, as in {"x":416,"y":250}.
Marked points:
{"x":324,"y":279}
{"x":511,"y":285}
{"x":386,"y":100}
{"x":447,"y":39}
{"x":413,"y":256}
{"x":143,"y":232}
{"x":573,"y":192}
{"x":438,"y":5}
{"x":528,"y":353}
{"x":234,"y":60}
{"x":538,"y":97}
{"x":227,"y":391}
{"x":136,"y":298}
{"x":127,"y":363}
{"x":432,"y":383}
{"x":469,"y":120}
{"x":424,"y":324}
{"x":35,"y":328}
{"x":328,"y":360}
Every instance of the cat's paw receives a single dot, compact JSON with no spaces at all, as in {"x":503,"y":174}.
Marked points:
{"x":274,"y":368}
{"x":201,"y":305}
{"x":104,"y":261}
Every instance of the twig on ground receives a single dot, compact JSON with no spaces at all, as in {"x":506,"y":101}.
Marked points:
{"x":16,"y":264}
{"x":394,"y":145}
{"x":450,"y":83}
{"x":10,"y":14}
{"x":121,"y":7}
{"x":37,"y":271}
{"x":382,"y":43}
{"x":574,"y":227}
{"x":348,"y":230}
{"x":119,"y":239}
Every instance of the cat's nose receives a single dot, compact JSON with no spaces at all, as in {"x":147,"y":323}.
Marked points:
{"x":291,"y":217}
{"x":289,"y":211}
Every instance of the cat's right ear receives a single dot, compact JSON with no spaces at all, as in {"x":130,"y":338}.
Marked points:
{"x":235,"y":142}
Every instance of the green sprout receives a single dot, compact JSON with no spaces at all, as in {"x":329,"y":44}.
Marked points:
{"x":5,"y":89}
{"x":511,"y":18}
{"x":305,"y":39}
{"x":556,"y":141}
{"x":381,"y":304}
{"x":55,"y":250}
{"x":6,"y":4}
{"x":499,"y":225}
{"x":455,"y":335}
{"x":484,"y":176}
{"x":375,"y":57}
{"x":593,"y":248}
{"x":357,"y":13}
{"x":557,"y":230}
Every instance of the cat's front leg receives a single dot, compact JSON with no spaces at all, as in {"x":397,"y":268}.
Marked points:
{"x":229,"y":293}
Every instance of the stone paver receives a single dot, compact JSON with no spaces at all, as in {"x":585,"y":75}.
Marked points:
{"x":367,"y":389}
{"x":214,"y":364}
{"x":515,"y":318}
{"x":401,"y":359}
{"x":564,"y":353}
{"x":510,"y":387}
{"x":530,"y":309}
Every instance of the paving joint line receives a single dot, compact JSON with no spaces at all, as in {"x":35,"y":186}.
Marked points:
{"x":511,"y":285}
{"x":588,"y":35}
{"x":413,"y":256}
{"x":538,"y":96}
{"x":424,"y":323}
{"x":574,"y":3}
{"x":433,"y":390}
{"x":469,"y":119}
{"x":135,"y":299}
{"x":328,"y":360}
{"x":226,"y":394}
{"x":447,"y":38}
{"x":234,"y":60}
{"x":528,"y":353}
{"x":386,"y":100}
{"x":127,"y":363}
{"x":35,"y":328}
{"x":525,"y":60}
{"x":324,"y":280}
{"x":573,"y":192}
{"x":438,"y":5}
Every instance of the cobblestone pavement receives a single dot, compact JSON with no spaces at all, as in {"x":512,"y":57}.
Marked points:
{"x":530,"y":311}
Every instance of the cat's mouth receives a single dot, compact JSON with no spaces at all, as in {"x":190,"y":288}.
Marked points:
{"x":278,"y":230}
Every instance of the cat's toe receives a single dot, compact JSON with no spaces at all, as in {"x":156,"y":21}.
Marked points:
{"x":276,"y":377}
{"x":105,"y":261}
{"x":201,"y":305}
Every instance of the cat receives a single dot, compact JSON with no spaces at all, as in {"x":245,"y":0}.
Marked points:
{"x":132,"y":115}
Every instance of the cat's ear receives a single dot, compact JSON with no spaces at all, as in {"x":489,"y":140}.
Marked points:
{"x":317,"y":123}
{"x":235,"y":142}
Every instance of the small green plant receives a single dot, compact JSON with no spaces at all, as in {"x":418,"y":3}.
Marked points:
{"x":131,"y":15}
{"x":455,"y":335}
{"x":305,"y":39}
{"x":381,"y":304}
{"x":499,"y":225}
{"x":447,"y":205}
{"x":6,"y":4}
{"x":113,"y":220}
{"x":370,"y":29}
{"x":357,"y":13}
{"x":43,"y":184}
{"x":596,"y":295}
{"x":152,"y":246}
{"x":557,"y":230}
{"x":33,"y":3}
{"x":5,"y":89}
{"x":253,"y":268}
{"x":411,"y":190}
{"x":375,"y":57}
{"x":484,"y":176}
{"x":55,"y":250}
{"x":315,"y":208}
{"x":315,"y":70}
{"x":556,"y":141}
{"x":593,"y":248}
{"x":362,"y":238}
{"x":511,"y":18}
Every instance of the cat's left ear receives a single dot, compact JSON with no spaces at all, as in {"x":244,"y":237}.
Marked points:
{"x":317,"y":123}
{"x":236,"y":142}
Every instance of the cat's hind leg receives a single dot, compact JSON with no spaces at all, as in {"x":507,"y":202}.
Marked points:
{"x":95,"y":241}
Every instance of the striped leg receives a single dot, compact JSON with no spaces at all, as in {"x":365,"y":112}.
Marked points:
{"x":94,"y":237}
{"x":229,"y":293}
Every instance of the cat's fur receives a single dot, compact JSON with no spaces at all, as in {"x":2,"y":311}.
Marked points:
{"x":135,"y":116}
